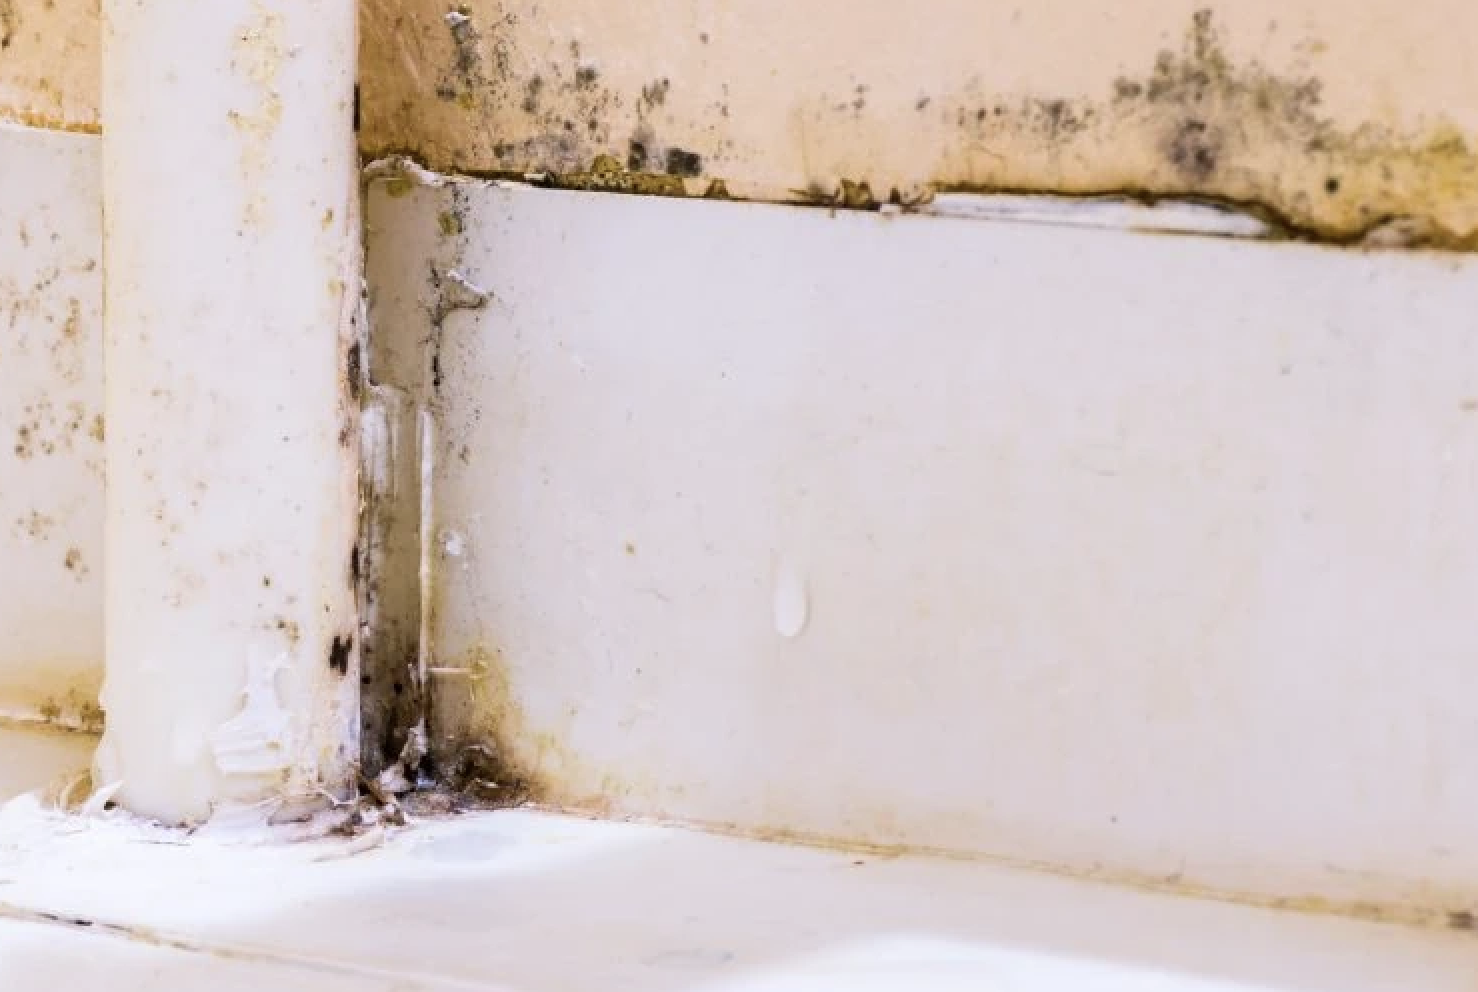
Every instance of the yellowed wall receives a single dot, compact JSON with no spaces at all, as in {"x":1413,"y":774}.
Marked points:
{"x":49,"y":63}
{"x":1334,"y":116}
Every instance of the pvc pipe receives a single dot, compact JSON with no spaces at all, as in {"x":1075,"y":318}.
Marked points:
{"x":231,"y":269}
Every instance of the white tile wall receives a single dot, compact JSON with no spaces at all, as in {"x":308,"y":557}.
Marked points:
{"x":51,"y":427}
{"x":1142,"y":555}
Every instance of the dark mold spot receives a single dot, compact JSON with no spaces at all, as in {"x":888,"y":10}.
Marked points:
{"x":607,"y":175}
{"x":1462,"y":919}
{"x":290,"y":628}
{"x":1194,"y":149}
{"x":354,"y":573}
{"x":531,"y":91}
{"x":636,"y":156}
{"x":585,"y":76}
{"x":338,"y":654}
{"x":1331,"y":185}
{"x":354,"y":370}
{"x":684,"y":163}
{"x":654,"y":94}
{"x":856,"y":196}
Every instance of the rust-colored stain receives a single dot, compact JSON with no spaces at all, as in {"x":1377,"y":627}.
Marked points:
{"x":74,"y":563}
{"x":72,"y":710}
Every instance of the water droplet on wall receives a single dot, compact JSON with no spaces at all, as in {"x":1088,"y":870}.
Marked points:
{"x":792,"y":606}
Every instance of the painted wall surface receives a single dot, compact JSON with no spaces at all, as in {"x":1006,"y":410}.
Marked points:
{"x":1335,"y":118}
{"x":1128,"y":553}
{"x":51,"y":402}
{"x":34,"y":757}
{"x":49,"y":63}
{"x":1339,"y":120}
{"x":51,"y":427}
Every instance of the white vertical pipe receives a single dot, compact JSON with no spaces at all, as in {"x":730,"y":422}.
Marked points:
{"x":231,"y":267}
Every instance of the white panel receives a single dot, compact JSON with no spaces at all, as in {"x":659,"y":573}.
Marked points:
{"x":34,"y":757}
{"x":51,"y":426}
{"x":521,"y":902}
{"x":1135,"y":554}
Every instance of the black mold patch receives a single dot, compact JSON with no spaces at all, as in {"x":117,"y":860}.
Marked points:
{"x":354,"y":371}
{"x":1194,"y":149}
{"x":338,"y":654}
{"x":683,"y":163}
{"x":532,"y":91}
{"x":636,"y":155}
{"x":1193,"y":124}
{"x":654,"y":95}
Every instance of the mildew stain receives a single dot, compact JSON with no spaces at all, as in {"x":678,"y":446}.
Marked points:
{"x":480,"y":754}
{"x":1199,"y":125}
{"x":338,"y":654}
{"x":74,"y":710}
{"x":74,"y":563}
{"x":9,"y":23}
{"x":1195,"y":124}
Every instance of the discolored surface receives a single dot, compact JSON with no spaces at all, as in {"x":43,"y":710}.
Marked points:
{"x":1334,"y":120}
{"x":51,"y":427}
{"x":527,"y":902}
{"x":1113,"y":551}
{"x":49,"y":63}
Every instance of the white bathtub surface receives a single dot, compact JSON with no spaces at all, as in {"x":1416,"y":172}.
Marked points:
{"x":542,"y":903}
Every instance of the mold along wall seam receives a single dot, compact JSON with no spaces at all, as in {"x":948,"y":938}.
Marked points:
{"x":1353,"y":126}
{"x":1331,"y":124}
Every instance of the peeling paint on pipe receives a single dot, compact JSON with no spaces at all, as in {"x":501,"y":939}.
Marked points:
{"x":232,"y":269}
